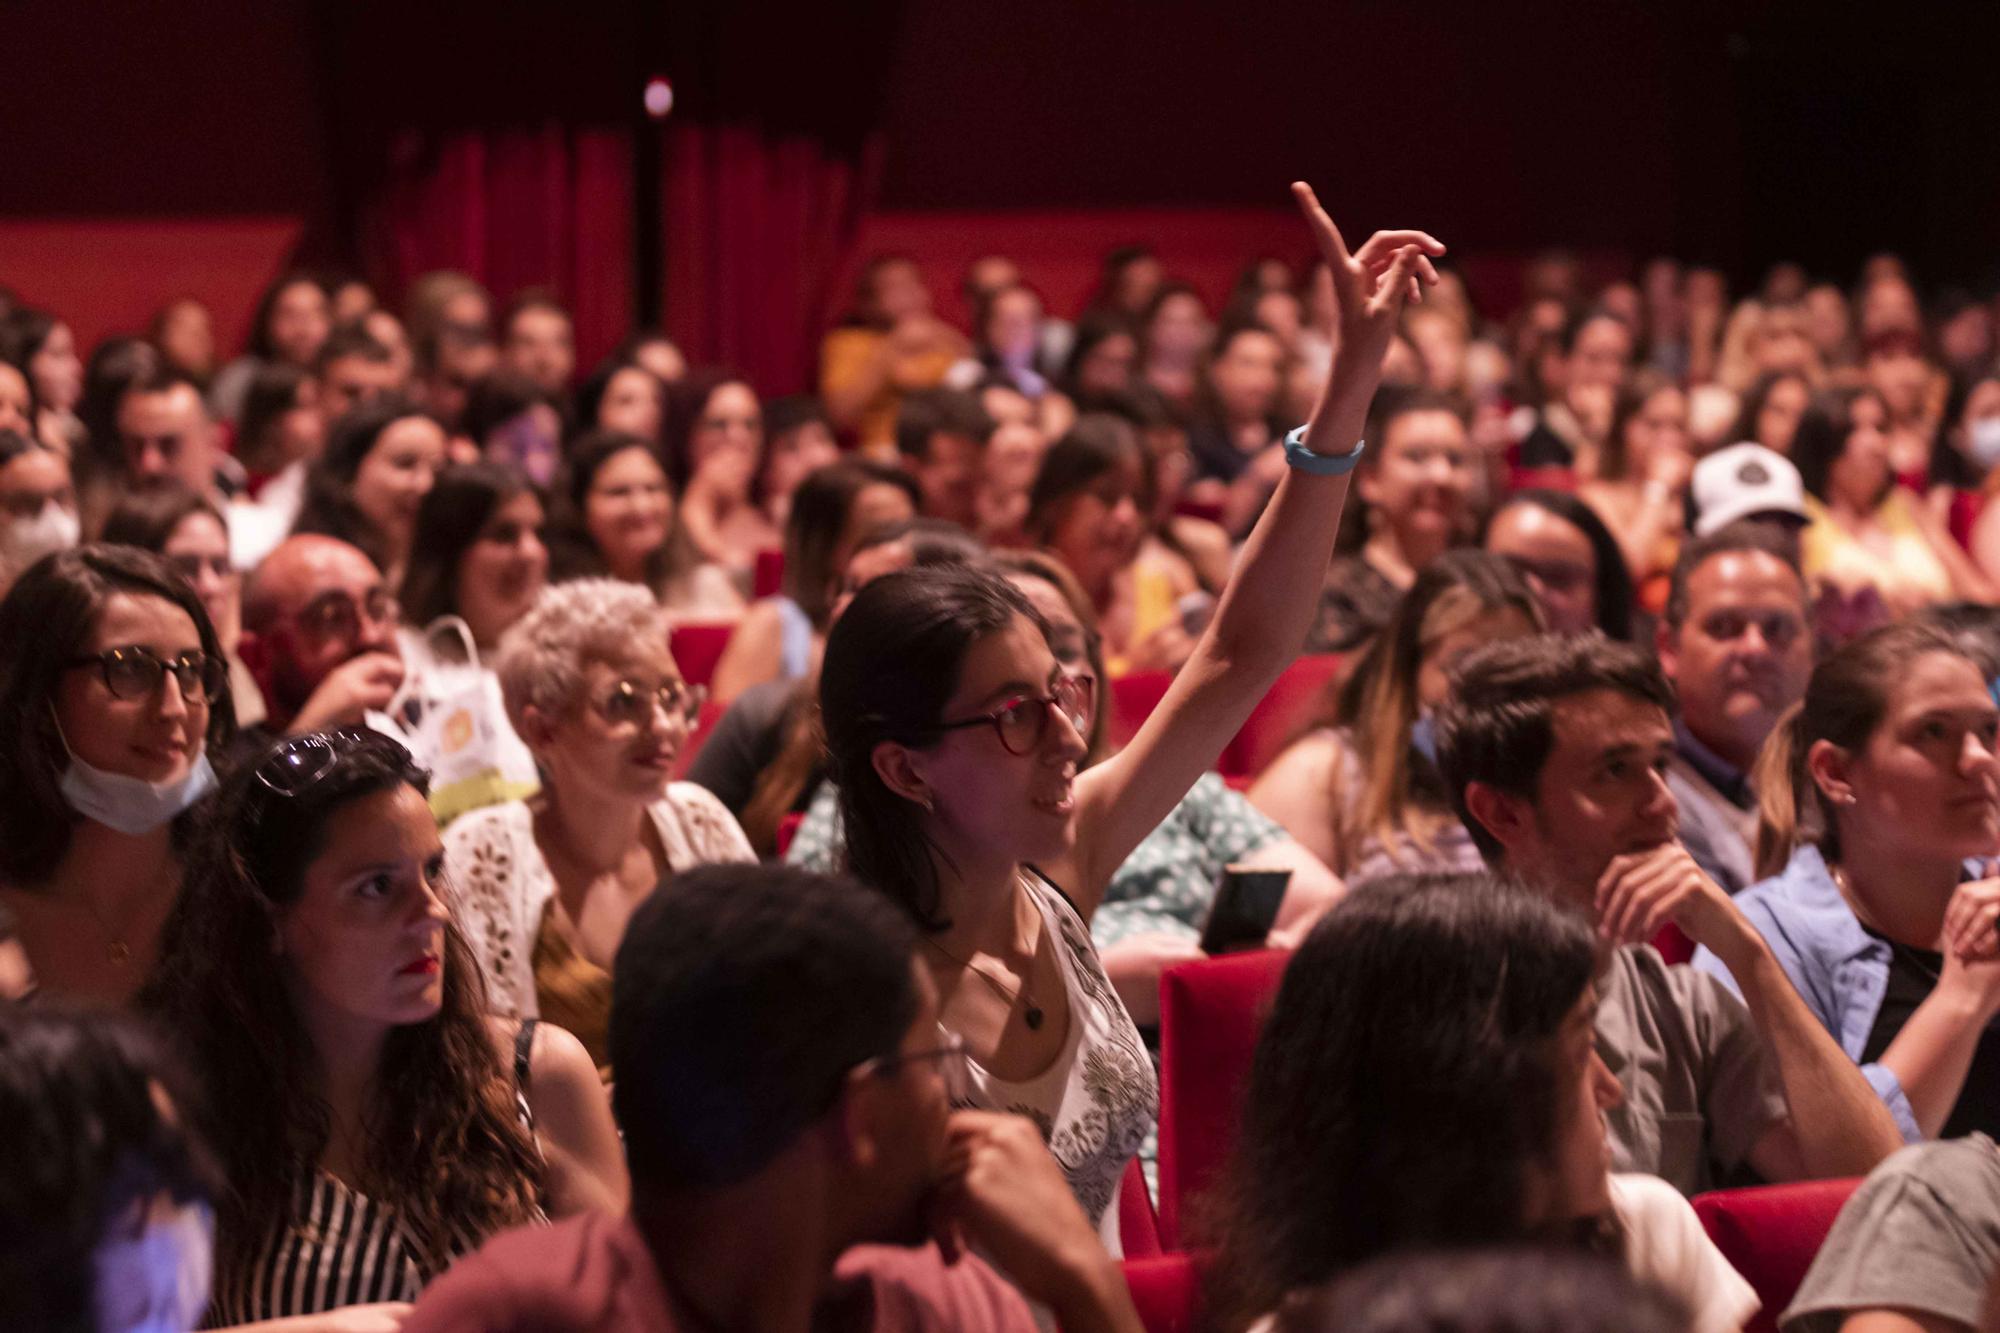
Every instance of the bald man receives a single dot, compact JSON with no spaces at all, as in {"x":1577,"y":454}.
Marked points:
{"x":319,"y":634}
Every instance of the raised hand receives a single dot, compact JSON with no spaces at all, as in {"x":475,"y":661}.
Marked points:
{"x":1370,"y":285}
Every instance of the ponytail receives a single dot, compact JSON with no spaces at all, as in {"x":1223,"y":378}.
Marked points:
{"x":1783,"y":785}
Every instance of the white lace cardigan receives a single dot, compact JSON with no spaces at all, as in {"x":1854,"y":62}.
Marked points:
{"x":503,"y":885}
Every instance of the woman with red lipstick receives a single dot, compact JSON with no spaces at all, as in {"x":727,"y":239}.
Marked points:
{"x":113,"y":693}
{"x":372,"y":1121}
{"x":546,"y":885}
{"x":955,"y":736}
{"x":1876,"y":791}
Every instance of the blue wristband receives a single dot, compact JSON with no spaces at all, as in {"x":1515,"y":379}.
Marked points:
{"x":1320,"y":465}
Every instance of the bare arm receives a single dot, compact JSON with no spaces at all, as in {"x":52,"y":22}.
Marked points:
{"x":1901,"y":1321}
{"x":572,"y":1109}
{"x":1268,"y":605}
{"x":751,"y":656}
{"x":1837,"y":1125}
{"x":1297,"y":791}
{"x":1933,"y":1052}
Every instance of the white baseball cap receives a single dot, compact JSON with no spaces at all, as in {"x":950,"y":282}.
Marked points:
{"x":1745,"y":481}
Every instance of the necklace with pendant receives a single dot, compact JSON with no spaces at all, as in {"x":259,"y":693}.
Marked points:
{"x":1031,"y":1012}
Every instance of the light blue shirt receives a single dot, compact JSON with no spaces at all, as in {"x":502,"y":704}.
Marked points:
{"x":1840,"y":970}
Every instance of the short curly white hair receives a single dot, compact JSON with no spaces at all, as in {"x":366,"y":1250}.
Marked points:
{"x":542,"y":655}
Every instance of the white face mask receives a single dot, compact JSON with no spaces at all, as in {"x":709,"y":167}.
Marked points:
{"x":157,"y":1281}
{"x":1984,"y":438}
{"x":27,"y":540}
{"x":131,"y":805}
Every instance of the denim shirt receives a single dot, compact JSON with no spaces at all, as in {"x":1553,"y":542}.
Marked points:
{"x":1840,"y":970}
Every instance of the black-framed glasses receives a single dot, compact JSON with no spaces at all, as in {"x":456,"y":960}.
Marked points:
{"x":191,"y":567}
{"x":296,"y":766}
{"x":950,"y":1058}
{"x":631,"y":702}
{"x":135,"y":672}
{"x":337,"y":616}
{"x":1022,"y":722}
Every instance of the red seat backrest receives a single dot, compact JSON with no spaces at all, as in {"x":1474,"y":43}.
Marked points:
{"x":697,"y":646}
{"x":704,"y":723}
{"x":1770,"y":1234}
{"x":1673,"y":944}
{"x":1285,"y":708}
{"x":769,"y":575}
{"x":1167,"y":1291}
{"x":1133,"y":699}
{"x":1210,"y":1014}
{"x":1138,"y":1225}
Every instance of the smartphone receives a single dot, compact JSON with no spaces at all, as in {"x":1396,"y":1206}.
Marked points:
{"x":1246,"y":906}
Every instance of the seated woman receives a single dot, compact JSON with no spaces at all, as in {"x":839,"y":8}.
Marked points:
{"x":478,"y":556}
{"x":1771,"y":410}
{"x":106,"y":1199}
{"x":1869,"y":538}
{"x":955,"y":738}
{"x":1007,"y":335}
{"x":293,"y":318}
{"x":547,"y":885}
{"x":798,"y":441}
{"x":1235,"y":432}
{"x":37,"y":504}
{"x":1412,"y":502}
{"x":281,"y":434}
{"x":1569,"y":558}
{"x":1874,"y":793}
{"x":613,"y":514}
{"x":110,"y":723}
{"x":888,"y":345}
{"x":1174,"y":335}
{"x":372,"y":1121}
{"x":1090,"y":505}
{"x":168,"y":519}
{"x":625,"y":397}
{"x":1638,"y":481}
{"x":779,"y":637}
{"x":1361,"y":790}
{"x":715,"y":453}
{"x":1384,"y":1117}
{"x":381,"y":460}
{"x":513,"y":421}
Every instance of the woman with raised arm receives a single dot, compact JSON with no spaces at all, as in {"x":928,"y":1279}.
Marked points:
{"x":955,"y":736}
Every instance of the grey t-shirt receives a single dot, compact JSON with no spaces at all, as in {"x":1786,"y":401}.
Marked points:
{"x":1921,"y":1234}
{"x":1699,"y":1088}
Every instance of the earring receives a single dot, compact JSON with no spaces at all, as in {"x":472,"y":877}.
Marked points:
{"x":925,"y":802}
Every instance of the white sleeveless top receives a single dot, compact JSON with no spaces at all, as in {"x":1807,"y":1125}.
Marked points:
{"x":1098,"y":1099}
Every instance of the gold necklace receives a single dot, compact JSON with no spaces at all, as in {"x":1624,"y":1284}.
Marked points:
{"x":1032,"y":1015}
{"x":115,"y":947}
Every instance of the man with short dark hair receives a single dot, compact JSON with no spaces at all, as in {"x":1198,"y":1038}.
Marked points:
{"x":1555,"y":751}
{"x":784,"y":1086}
{"x":1736,"y":644}
{"x":164,"y":430}
{"x":941,"y":436}
{"x":352,"y":369}
{"x":537,"y":340}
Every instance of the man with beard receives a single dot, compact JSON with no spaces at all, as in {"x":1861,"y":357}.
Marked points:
{"x":1736,"y":646}
{"x":785,"y":1092}
{"x":1556,"y":751}
{"x":319,"y":635}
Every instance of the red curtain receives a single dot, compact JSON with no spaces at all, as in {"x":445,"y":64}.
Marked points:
{"x":549,"y":207}
{"x":760,"y":226}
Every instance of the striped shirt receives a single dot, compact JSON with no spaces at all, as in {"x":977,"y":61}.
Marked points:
{"x":338,"y":1247}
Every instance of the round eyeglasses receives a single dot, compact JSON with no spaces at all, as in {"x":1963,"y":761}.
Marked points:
{"x":1022,"y":721}
{"x":135,"y":672}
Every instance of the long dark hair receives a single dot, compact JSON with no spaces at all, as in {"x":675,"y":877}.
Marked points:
{"x":260,"y":345}
{"x":1613,"y":595}
{"x":1377,"y":703}
{"x":687,"y":402}
{"x":1404,"y":1084}
{"x":88,"y":1136}
{"x":146,"y":517}
{"x":1822,"y":437}
{"x":454,"y":512}
{"x":892,"y":661}
{"x":573,"y":551}
{"x":821,"y":507}
{"x":446,"y":1148}
{"x":53,"y":607}
{"x":329,"y":506}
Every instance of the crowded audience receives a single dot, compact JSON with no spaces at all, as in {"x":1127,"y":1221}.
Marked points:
{"x":489,"y":841}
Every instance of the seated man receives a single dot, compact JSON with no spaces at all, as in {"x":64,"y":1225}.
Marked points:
{"x":1736,"y":645}
{"x":1555,"y":751}
{"x":164,"y":430}
{"x":319,"y":635}
{"x":941,"y":435}
{"x":1914,"y":1250}
{"x":784,"y":1090}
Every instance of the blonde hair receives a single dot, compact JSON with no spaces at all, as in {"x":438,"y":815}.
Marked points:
{"x":542,"y":655}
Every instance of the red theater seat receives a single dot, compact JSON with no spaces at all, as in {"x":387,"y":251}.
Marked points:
{"x":1771,"y":1233}
{"x":704,"y":723}
{"x":1167,"y":1291}
{"x":769,"y":578}
{"x":1133,"y":699}
{"x":697,"y":647}
{"x":1138,"y":1225}
{"x":1285,"y":708}
{"x":1210,"y":1014}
